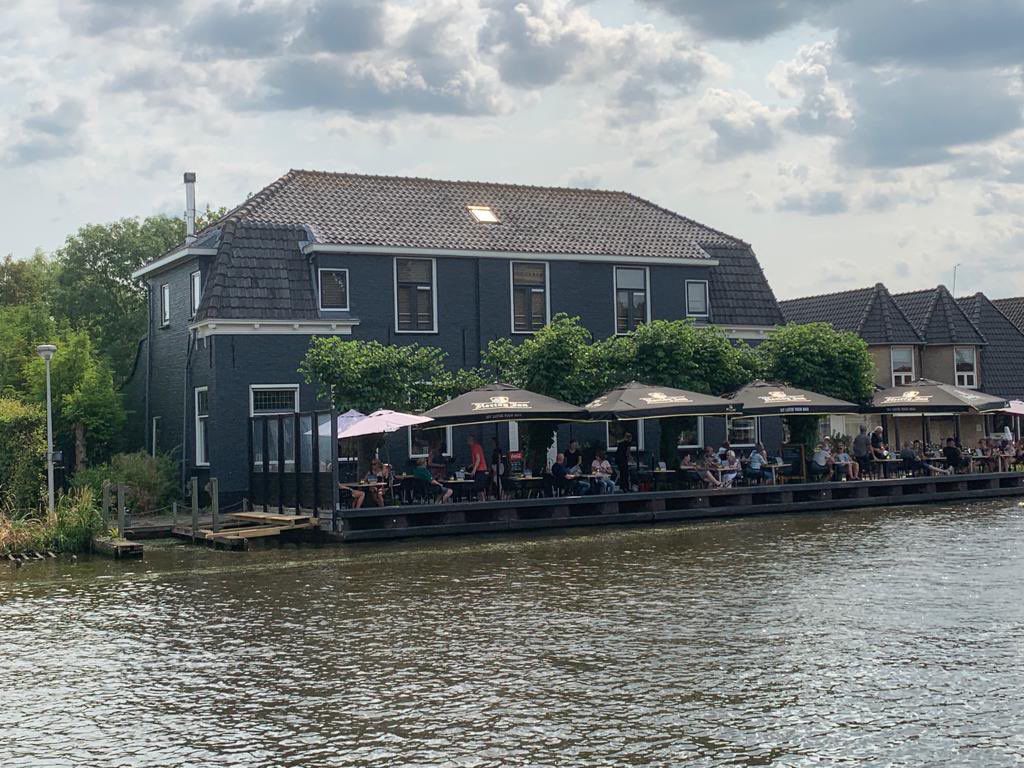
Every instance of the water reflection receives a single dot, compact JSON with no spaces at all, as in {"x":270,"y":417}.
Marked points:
{"x":886,"y":637}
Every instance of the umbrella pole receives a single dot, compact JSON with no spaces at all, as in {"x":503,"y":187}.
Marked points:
{"x":896,"y":430}
{"x":958,"y":442}
{"x":497,"y":469}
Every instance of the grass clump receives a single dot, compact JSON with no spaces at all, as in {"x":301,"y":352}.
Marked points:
{"x":71,"y":527}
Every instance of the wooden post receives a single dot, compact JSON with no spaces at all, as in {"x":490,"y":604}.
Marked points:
{"x":174,"y":514}
{"x":194,"y":485}
{"x":335,"y":469}
{"x":120,"y":511}
{"x":214,"y":504}
{"x":106,"y":505}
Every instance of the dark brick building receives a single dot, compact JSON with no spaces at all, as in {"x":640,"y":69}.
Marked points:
{"x":401,"y":260}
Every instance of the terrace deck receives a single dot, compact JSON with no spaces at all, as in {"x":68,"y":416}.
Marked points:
{"x":652,"y":507}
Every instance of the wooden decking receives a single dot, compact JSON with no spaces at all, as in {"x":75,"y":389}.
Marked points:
{"x":632,"y":508}
{"x":120,"y":549}
{"x":244,"y":527}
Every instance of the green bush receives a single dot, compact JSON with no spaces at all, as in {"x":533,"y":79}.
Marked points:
{"x":22,"y":455}
{"x":151,"y":481}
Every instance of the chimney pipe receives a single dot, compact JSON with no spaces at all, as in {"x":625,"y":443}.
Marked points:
{"x":190,"y":207}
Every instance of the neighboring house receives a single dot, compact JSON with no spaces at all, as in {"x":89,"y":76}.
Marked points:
{"x":924,"y":335}
{"x":1013,"y":309}
{"x":1002,"y":359}
{"x":405,"y":260}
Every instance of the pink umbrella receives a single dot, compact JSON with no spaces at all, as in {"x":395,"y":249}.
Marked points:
{"x":380,"y":422}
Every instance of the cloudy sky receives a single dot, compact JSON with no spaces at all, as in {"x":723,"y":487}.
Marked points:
{"x":850,"y":141}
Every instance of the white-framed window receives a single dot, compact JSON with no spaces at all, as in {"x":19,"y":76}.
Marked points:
{"x":202,"y":404}
{"x":273,"y":399}
{"x":165,"y":305}
{"x":420,"y":441}
{"x":966,"y":364}
{"x":692,"y":433}
{"x":195,"y":283}
{"x":697,"y":302}
{"x":333,"y":289}
{"x":530,"y":303}
{"x":632,"y":306}
{"x":742,"y":431}
{"x":614,"y":430}
{"x":415,"y":295}
{"x":902,"y":365}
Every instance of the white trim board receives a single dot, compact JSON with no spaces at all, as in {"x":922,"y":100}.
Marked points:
{"x":218,"y":327}
{"x":171,"y":259}
{"x":388,"y":250}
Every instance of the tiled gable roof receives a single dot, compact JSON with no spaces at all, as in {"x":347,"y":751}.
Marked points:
{"x":356,"y":209}
{"x":871,"y":313}
{"x":739,"y":292}
{"x":938,"y":317}
{"x":1002,"y":359}
{"x":259,"y":273}
{"x":1013,"y":309}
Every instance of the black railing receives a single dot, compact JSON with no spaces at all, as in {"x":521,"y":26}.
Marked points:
{"x":291,"y":458}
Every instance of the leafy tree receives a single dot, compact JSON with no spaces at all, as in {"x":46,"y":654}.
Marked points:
{"x":22,"y":455}
{"x":817,"y":357}
{"x":95,"y":291}
{"x":368,"y":375}
{"x":87,"y":406}
{"x":26,"y":281}
{"x":22,"y":328}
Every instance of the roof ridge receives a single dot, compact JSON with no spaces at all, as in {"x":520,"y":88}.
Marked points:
{"x":903,"y":314}
{"x":949,"y":298}
{"x":826,"y":295}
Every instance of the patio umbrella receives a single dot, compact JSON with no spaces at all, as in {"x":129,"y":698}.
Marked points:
{"x":925,"y":396}
{"x":381,"y":422}
{"x":1015,"y":408}
{"x":771,"y":398}
{"x":502,"y":402}
{"x":646,"y":401}
{"x":345,"y":420}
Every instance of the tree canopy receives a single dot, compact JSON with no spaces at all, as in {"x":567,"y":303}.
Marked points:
{"x":817,"y":357}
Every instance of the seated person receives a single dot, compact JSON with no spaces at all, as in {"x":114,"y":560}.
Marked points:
{"x":724,"y":449}
{"x":602,"y":468}
{"x":572,"y":456}
{"x":433,"y":488}
{"x":378,"y":474}
{"x":757,"y":464}
{"x":821,"y":463}
{"x":566,"y":479}
{"x":955,"y":460}
{"x":689,"y":470}
{"x":711,"y":464}
{"x":850,"y":467}
{"x":913,"y":460}
{"x":357,"y":496}
{"x":437,"y":462}
{"x":730,"y":469}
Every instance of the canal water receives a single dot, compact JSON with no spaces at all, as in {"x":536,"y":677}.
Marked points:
{"x":886,"y":637}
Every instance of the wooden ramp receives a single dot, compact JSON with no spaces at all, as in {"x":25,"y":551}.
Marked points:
{"x":243,"y":527}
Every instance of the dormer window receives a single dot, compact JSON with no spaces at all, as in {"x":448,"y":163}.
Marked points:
{"x":483,"y":213}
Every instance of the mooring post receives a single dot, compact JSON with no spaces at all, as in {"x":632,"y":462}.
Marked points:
{"x":106,"y":505}
{"x":174,"y":514}
{"x":215,"y":504}
{"x":194,"y":486}
{"x":120,"y":511}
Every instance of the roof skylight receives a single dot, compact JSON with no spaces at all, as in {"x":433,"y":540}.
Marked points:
{"x":483,"y":214}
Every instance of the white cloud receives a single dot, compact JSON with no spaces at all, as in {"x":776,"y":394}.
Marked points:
{"x":740,"y":125}
{"x":823,"y":107}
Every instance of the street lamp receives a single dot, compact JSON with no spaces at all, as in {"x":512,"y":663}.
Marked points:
{"x":46,"y":351}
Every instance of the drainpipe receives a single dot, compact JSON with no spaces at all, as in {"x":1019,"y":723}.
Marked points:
{"x":148,"y":426}
{"x":184,"y":412}
{"x":190,"y":207}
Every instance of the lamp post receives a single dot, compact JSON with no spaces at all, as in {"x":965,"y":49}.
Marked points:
{"x":46,"y":351}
